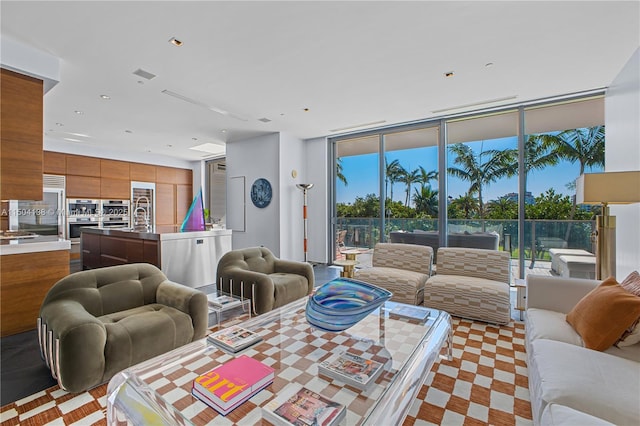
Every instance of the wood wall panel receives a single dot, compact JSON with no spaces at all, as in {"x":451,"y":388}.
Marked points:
{"x":21,"y":121}
{"x":142,"y":172}
{"x":114,"y":169}
{"x":55,"y":163}
{"x":79,"y":165}
{"x":165,"y":204}
{"x":83,"y":187}
{"x":166,"y":174}
{"x":22,"y":293}
{"x":115,"y":189}
{"x":184,"y":176}
{"x":183,"y":201}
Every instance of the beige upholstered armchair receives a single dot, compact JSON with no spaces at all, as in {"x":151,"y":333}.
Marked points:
{"x":471,"y":283}
{"x":268,"y":281}
{"x":403,"y":269}
{"x":95,"y":323}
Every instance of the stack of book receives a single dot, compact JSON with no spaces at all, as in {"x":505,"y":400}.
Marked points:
{"x":297,"y":406}
{"x":351,"y":369}
{"x":229,"y":385}
{"x":234,"y":338}
{"x":223,"y":302}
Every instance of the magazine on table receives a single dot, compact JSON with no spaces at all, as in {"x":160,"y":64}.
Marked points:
{"x":223,"y":302}
{"x":234,"y":338}
{"x":407,"y":311}
{"x":229,"y":385}
{"x":299,"y":406}
{"x":351,"y":369}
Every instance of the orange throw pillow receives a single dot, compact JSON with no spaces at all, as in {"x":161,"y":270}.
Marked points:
{"x":603,"y":315}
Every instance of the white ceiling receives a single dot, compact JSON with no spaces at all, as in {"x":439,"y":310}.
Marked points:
{"x":349,"y":63}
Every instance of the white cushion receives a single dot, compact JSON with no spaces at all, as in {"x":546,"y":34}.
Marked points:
{"x":544,"y":324}
{"x":556,"y":414}
{"x":595,"y":383}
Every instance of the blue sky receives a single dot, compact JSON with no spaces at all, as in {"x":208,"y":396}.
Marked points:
{"x":362,"y":174}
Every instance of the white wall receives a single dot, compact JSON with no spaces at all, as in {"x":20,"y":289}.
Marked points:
{"x":292,"y":157}
{"x":622,"y":121}
{"x":256,"y":158}
{"x":317,"y":168}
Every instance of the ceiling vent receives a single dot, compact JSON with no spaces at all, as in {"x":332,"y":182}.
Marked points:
{"x":202,"y":104}
{"x":264,"y":120}
{"x":144,"y":74}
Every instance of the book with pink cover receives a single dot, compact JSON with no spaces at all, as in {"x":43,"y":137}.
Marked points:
{"x":232,"y":383}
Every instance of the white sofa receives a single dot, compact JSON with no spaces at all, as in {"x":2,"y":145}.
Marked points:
{"x":568,"y":383}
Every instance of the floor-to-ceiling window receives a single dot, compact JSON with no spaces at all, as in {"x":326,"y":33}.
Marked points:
{"x":509,"y":172}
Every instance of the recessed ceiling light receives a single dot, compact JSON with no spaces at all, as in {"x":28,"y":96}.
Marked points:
{"x":448,"y":74}
{"x":175,"y":41}
{"x":128,"y":131}
{"x":194,"y":139}
{"x":488,"y":64}
{"x":224,"y":130}
{"x":59,"y":124}
{"x":79,"y":112}
{"x":305,"y":109}
{"x":105,"y":97}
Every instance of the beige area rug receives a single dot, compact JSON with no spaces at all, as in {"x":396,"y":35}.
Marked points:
{"x":486,"y":383}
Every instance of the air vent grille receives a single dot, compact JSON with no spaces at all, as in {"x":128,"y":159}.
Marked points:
{"x":144,"y":74}
{"x":53,"y":181}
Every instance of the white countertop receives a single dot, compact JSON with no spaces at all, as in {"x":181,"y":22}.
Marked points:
{"x":33,"y":245}
{"x":165,"y":236}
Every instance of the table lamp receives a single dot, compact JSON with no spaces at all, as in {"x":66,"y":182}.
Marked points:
{"x":607,"y":188}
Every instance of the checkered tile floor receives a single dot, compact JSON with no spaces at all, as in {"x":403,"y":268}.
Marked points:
{"x":486,"y":383}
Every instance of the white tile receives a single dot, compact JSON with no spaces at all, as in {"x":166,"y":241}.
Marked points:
{"x":76,"y":402}
{"x":478,"y":411}
{"x":452,"y":418}
{"x":437,"y":397}
{"x":501,"y":401}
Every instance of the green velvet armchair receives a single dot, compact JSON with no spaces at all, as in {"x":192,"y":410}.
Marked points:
{"x":269,"y":282}
{"x":95,"y":323}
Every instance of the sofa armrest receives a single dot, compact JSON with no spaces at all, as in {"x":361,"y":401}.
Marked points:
{"x":188,"y":300}
{"x":298,"y":268}
{"x":74,"y":327}
{"x":556,"y":293}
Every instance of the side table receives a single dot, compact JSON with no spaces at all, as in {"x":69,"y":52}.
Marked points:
{"x":348,"y":267}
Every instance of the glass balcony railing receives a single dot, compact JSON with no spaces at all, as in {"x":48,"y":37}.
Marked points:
{"x":539,"y":235}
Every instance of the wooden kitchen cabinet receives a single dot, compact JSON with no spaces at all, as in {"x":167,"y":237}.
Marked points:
{"x":83,"y":187}
{"x":80,"y":165}
{"x":165,"y":204}
{"x":21,"y":155}
{"x":142,"y":172}
{"x":55,"y":163}
{"x":113,"y":169}
{"x":184,"y":177}
{"x":183,"y":201}
{"x":115,"y":189}
{"x":165,"y":174}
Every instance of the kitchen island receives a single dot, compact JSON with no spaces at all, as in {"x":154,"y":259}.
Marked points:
{"x":188,"y":258}
{"x":28,"y":269}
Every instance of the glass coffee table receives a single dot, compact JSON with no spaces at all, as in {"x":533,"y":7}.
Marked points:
{"x":158,"y":391}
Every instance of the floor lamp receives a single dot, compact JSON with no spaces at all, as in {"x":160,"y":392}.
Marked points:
{"x":607,"y":188}
{"x":305,"y":187}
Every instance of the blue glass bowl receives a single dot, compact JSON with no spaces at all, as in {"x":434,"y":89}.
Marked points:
{"x":341,"y":303}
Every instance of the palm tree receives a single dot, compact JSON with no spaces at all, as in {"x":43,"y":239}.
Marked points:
{"x":426,"y":200}
{"x":409,"y":178}
{"x":393,"y":171}
{"x":341,"y":177}
{"x":478,"y":171}
{"x":502,"y":208}
{"x":584,"y":146}
{"x":467,"y":203}
{"x":426,"y":177}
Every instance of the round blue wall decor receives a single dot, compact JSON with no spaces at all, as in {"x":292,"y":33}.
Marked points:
{"x":261,"y":193}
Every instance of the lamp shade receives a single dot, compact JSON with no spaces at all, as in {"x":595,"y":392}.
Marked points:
{"x":609,"y":187}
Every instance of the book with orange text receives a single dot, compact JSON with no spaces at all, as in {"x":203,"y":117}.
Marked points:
{"x":230,"y":384}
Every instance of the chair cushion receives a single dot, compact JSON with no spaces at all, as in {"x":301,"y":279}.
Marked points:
{"x":592,"y":382}
{"x":469,"y":297}
{"x":556,"y":414}
{"x":138,"y":334}
{"x":288,"y":287}
{"x":406,"y":286}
